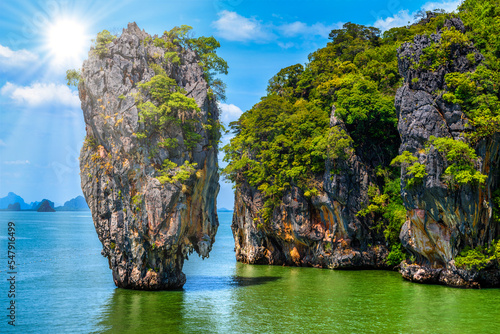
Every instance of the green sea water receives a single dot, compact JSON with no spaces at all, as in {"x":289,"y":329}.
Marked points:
{"x":64,"y":285}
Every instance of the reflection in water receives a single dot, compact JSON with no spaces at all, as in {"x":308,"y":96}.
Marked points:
{"x":260,"y":299}
{"x":249,"y":281}
{"x":132,"y":311}
{"x":206,"y":304}
{"x":65,"y":286}
{"x":222,"y":296}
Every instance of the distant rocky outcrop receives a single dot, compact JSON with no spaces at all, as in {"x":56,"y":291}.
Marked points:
{"x":76,"y":204}
{"x":152,"y":192}
{"x":323,"y":231}
{"x":36,"y":205}
{"x":45,"y":206}
{"x":442,"y":220}
{"x":14,"y":207}
{"x":12,"y":198}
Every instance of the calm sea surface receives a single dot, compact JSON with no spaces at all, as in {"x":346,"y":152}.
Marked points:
{"x":63,"y":285}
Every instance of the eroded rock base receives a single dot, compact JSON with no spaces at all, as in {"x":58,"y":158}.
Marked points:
{"x":458,"y":278}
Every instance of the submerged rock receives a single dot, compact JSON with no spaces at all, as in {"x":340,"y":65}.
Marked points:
{"x":152,"y":192}
{"x":441,"y":219}
{"x":322,"y":231}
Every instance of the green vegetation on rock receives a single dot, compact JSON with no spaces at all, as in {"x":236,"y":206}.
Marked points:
{"x":164,"y":107}
{"x":461,"y":159}
{"x":169,"y":106}
{"x":285,"y":139}
{"x":411,"y":167}
{"x":479,"y":257}
{"x":101,"y":42}
{"x":179,"y":38}
{"x":73,"y":77}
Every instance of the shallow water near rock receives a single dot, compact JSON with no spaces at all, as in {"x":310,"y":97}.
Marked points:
{"x":64,"y":285}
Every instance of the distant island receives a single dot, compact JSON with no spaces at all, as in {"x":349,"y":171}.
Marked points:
{"x":224,"y":210}
{"x":14,"y":202}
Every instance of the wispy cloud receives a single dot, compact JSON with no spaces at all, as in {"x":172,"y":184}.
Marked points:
{"x":285,"y":45}
{"x":234,"y":27}
{"x":17,"y":162}
{"x":2,"y":143}
{"x":448,"y":6}
{"x":15,"y":59}
{"x":300,"y":28}
{"x":41,"y":94}
{"x":229,"y":112}
{"x":404,"y":16}
{"x":397,"y":20}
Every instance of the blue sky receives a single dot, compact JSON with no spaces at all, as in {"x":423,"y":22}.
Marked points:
{"x":41,"y":123}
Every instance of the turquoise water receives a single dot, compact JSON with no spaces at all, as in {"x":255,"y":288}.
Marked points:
{"x":64,"y":286}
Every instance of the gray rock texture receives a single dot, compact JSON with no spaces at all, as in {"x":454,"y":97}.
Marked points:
{"x":322,"y":231}
{"x":441,"y":220}
{"x":147,"y":228}
{"x":451,"y":276}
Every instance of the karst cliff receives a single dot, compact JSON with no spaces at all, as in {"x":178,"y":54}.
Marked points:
{"x":149,"y":162}
{"x":445,"y":214}
{"x":381,"y":152}
{"x":320,"y":231}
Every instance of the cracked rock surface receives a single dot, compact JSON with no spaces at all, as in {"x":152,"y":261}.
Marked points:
{"x":323,"y":231}
{"x":441,"y":221}
{"x":147,"y":228}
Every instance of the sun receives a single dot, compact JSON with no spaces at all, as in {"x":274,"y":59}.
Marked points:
{"x":67,"y":41}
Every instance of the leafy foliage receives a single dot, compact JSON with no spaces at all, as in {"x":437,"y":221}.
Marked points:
{"x":277,"y":146}
{"x":285,"y":81}
{"x":481,"y":18}
{"x":396,"y":255}
{"x":387,"y":211}
{"x":100,"y":43}
{"x":206,"y":48}
{"x":461,"y":159}
{"x":169,"y":107}
{"x":478,"y":94}
{"x":285,"y":139}
{"x":73,"y":77}
{"x":412,"y":168}
{"x":164,"y":107}
{"x":172,"y":173}
{"x":179,"y":38}
{"x":479,"y":257}
{"x":440,"y":54}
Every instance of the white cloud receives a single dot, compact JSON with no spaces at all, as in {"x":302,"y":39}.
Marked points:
{"x":2,"y":143}
{"x":404,"y":16}
{"x":229,"y":112}
{"x":17,"y":162}
{"x":293,"y":29}
{"x":300,"y":28}
{"x":234,"y":27}
{"x":19,"y":58}
{"x":448,"y":6}
{"x":285,"y":45}
{"x":41,"y":93}
{"x":397,"y":20}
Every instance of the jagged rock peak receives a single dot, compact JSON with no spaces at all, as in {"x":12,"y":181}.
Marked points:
{"x":151,"y":186}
